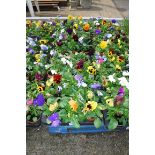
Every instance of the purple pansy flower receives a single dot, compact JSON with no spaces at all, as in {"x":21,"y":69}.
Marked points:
{"x":59,"y":43}
{"x":53,"y":23}
{"x":97,"y":31}
{"x":121,"y":91}
{"x":56,"y":123}
{"x":30,"y":50}
{"x":108,"y":35}
{"x":54,"y":117}
{"x":78,"y":77}
{"x":96,"y":86}
{"x":101,"y":59}
{"x":69,"y":30}
{"x":39,"y":100}
{"x":113,"y":20}
{"x":44,"y":47}
{"x":38,"y":77}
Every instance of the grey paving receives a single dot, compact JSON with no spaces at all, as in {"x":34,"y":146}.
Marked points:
{"x":104,"y":8}
{"x":40,"y":142}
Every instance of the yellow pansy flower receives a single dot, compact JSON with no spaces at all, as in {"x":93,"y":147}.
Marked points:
{"x":90,"y":106}
{"x":103,"y":44}
{"x":70,"y":17}
{"x":110,"y":102}
{"x":75,"y":26}
{"x":40,"y":89}
{"x":43,"y":41}
{"x":104,"y":82}
{"x":90,"y":94}
{"x":52,"y":107}
{"x":112,"y":59}
{"x":91,"y":70}
{"x":37,"y":56}
{"x":49,"y":82}
{"x":118,"y":67}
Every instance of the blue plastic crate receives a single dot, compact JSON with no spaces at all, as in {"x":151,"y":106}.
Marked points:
{"x":64,"y":129}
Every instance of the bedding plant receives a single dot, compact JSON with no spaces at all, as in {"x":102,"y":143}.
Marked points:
{"x":77,"y":68}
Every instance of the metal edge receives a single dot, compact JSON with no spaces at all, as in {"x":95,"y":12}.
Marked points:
{"x":48,"y":18}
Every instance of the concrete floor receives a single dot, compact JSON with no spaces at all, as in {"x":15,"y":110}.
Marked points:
{"x":104,"y":8}
{"x":40,"y":142}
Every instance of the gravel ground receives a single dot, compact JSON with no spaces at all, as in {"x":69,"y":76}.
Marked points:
{"x":40,"y":142}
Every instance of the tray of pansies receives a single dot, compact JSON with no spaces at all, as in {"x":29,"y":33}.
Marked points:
{"x":77,"y":74}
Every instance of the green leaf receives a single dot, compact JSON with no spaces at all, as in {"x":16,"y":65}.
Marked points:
{"x":112,"y":124}
{"x":75,"y":123}
{"x":97,"y":123}
{"x":50,"y":100}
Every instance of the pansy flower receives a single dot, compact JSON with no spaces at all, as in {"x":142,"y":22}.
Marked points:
{"x":90,"y":94}
{"x":59,"y":43}
{"x":29,"y":102}
{"x":53,"y":117}
{"x":103,"y":44}
{"x":75,"y":26}
{"x":118,"y":67}
{"x":79,"y":79}
{"x":110,"y":102}
{"x":69,"y":30}
{"x":38,"y":77}
{"x":30,"y":50}
{"x":44,"y":47}
{"x":52,"y":107}
{"x":73,"y":104}
{"x":75,"y":37}
{"x":98,"y":31}
{"x":39,"y":100}
{"x":80,"y":64}
{"x":96,"y":86}
{"x":101,"y":59}
{"x":90,"y":106}
{"x":43,"y":41}
{"x":104,"y":22}
{"x":86,"y":27}
{"x":120,"y":59}
{"x":91,"y":70}
{"x":57,"y":78}
{"x":40,"y":88}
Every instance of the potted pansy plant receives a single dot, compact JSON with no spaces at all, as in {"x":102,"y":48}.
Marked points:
{"x":34,"y":110}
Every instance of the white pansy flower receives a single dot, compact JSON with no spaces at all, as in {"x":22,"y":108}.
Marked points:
{"x":52,"y":52}
{"x":111,"y":78}
{"x":81,"y":40}
{"x":99,"y":93}
{"x":123,"y":82}
{"x":53,"y":71}
{"x":64,"y":60}
{"x":47,"y":66}
{"x":69,"y":63}
{"x":125,"y":73}
{"x":84,"y":84}
{"x":60,"y":37}
{"x":63,"y":30}
{"x":116,"y":24}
